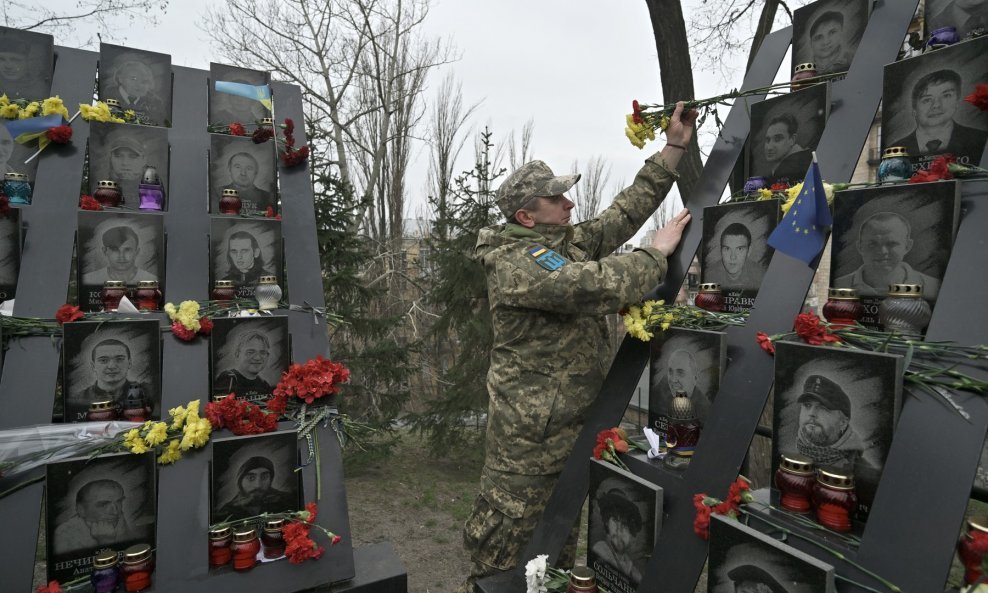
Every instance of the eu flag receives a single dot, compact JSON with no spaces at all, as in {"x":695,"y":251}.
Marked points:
{"x":260,"y":92}
{"x":803,"y":232}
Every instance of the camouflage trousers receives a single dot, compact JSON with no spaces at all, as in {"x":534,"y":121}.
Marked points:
{"x":503,"y":519}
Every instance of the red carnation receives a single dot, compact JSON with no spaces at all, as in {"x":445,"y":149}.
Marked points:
{"x":205,"y":326}
{"x":183,"y":333}
{"x":261,"y":135}
{"x":59,"y":134}
{"x":67,"y":313}
{"x":237,"y":129}
{"x":765,"y":342}
{"x":51,"y":587}
{"x":979,"y":98}
{"x":336,"y":540}
{"x":289,"y":126}
{"x":270,"y":213}
{"x":939,"y":169}
{"x":779,"y":186}
{"x":89,"y":203}
{"x":313,"y":511}
{"x":636,"y":112}
{"x":295,"y":157}
{"x":701,"y":523}
{"x":4,"y":205}
{"x":807,"y":324}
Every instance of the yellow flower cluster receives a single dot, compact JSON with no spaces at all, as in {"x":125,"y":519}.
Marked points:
{"x":187,"y":314}
{"x":187,"y":431}
{"x":793,"y":193}
{"x":98,"y":112}
{"x":21,"y":109}
{"x":638,"y":133}
{"x":639,"y":318}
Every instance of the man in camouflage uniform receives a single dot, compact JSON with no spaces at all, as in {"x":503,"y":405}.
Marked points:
{"x":550,"y":285}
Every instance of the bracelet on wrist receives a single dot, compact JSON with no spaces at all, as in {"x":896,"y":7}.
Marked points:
{"x":679,"y":146}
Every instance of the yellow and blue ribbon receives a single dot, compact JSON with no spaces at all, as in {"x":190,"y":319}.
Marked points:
{"x":260,"y":92}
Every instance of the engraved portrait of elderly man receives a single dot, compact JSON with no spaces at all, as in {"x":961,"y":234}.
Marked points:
{"x":139,"y":80}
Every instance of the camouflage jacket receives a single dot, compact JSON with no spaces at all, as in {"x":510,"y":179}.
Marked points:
{"x":550,"y":288}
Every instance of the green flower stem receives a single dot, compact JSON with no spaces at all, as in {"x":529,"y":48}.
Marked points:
{"x":889,"y":585}
{"x":850,"y":540}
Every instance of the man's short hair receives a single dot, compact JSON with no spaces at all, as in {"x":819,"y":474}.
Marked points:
{"x":248,"y":336}
{"x":935,"y":77}
{"x":788,"y":120}
{"x":115,"y":237}
{"x":129,"y":63}
{"x":614,"y":504}
{"x":83,"y":494}
{"x":248,"y":155}
{"x":688,"y":354}
{"x":831,"y":16}
{"x":244,"y":235}
{"x":735,"y":229}
{"x":109,"y":342}
{"x":880,"y":217}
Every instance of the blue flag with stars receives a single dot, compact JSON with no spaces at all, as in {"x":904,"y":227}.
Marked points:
{"x":803,"y":232}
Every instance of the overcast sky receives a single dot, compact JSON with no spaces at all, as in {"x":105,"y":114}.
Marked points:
{"x":573,"y":66}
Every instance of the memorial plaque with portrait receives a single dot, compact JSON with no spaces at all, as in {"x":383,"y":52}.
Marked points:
{"x":923,"y":106}
{"x":684,"y":361}
{"x":623,"y":524}
{"x":120,"y":152}
{"x":27,"y":63}
{"x":827,"y":33}
{"x":839,"y":408}
{"x":96,"y":504}
{"x":118,"y":246}
{"x":225,"y":108}
{"x":253,"y":475}
{"x":243,"y":250}
{"x":240,"y":164}
{"x":966,"y":16}
{"x":785,"y":132}
{"x":10,"y":253}
{"x":898,"y":234}
{"x":745,"y":559}
{"x":140,"y":80}
{"x":735,"y":252}
{"x":248,"y":356}
{"x":118,"y":361}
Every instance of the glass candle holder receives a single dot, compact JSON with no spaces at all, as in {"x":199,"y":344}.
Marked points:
{"x":151,"y":190}
{"x":905,"y":310}
{"x":17,"y":187}
{"x":684,"y":430}
{"x":114,"y":106}
{"x":223,"y":290}
{"x":245,"y":548}
{"x":795,"y":479}
{"x":136,"y":568}
{"x":102,"y":411}
{"x":105,"y":577}
{"x":136,"y":407}
{"x":230,"y":202}
{"x":753,"y":184}
{"x":942,"y":37}
{"x":834,"y":499}
{"x":895,"y":165}
{"x":843,"y":307}
{"x":802,"y":72}
{"x":272,"y":539}
{"x":220,"y":540}
{"x":969,"y":545}
{"x":147,"y":295}
{"x":113,"y":291}
{"x":267,"y":293}
{"x":108,"y":193}
{"x":581,"y":580}
{"x":709,"y":298}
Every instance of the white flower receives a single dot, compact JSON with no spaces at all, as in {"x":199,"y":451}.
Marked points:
{"x":535,"y":574}
{"x":982,"y":588}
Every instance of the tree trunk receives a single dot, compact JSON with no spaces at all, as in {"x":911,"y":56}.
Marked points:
{"x":676,"y":75}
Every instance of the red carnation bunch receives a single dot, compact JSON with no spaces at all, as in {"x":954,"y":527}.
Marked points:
{"x":51,"y":587}
{"x":738,"y":494}
{"x":183,"y":333}
{"x":67,"y":313}
{"x":240,"y":417}
{"x":237,"y":129}
{"x":269,"y":213}
{"x":939,"y":169}
{"x":292,"y":156}
{"x":87,"y":202}
{"x":262,"y":134}
{"x":979,"y":98}
{"x":308,"y":382}
{"x":59,"y":134}
{"x":809,"y":328}
{"x":299,"y":547}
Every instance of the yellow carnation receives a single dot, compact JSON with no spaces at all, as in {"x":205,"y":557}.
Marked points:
{"x":647,"y":308}
{"x":171,"y":454}
{"x":31,"y":110}
{"x":178,"y":417}
{"x":170,"y":309}
{"x":635,"y":140}
{"x":787,"y":205}
{"x":138,"y":447}
{"x":664,"y":122}
{"x":650,"y":133}
{"x":9,"y":111}
{"x":828,"y":191}
{"x":157,"y":434}
{"x":193,"y":409}
{"x":665,"y":325}
{"x":793,"y":191}
{"x":4,"y":101}
{"x":132,"y":436}
{"x":765,"y":194}
{"x":129,"y":115}
{"x":195,"y":434}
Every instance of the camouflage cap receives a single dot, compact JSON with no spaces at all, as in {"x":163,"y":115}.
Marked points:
{"x":821,"y":389}
{"x":533,"y":179}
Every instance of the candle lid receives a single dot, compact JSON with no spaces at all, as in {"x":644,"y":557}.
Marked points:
{"x":231,"y":192}
{"x":804,"y":67}
{"x":222,"y":532}
{"x":835,"y":479}
{"x":582,"y":577}
{"x":906,"y":290}
{"x":15,"y":176}
{"x":274,"y":524}
{"x":221,"y":396}
{"x":244,"y":536}
{"x":112,"y":103}
{"x":796,"y":464}
{"x":99,"y":406}
{"x":137,"y":553}
{"x":105,"y":559}
{"x":978,"y":523}
{"x":895,"y":151}
{"x":267,"y":121}
{"x":223,"y":284}
{"x":147,"y":284}
{"x":267,"y":280}
{"x":109,"y":183}
{"x":710,"y":287}
{"x":114,"y":284}
{"x":843,"y":293}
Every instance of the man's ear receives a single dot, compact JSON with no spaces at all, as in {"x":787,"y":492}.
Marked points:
{"x":524,"y":218}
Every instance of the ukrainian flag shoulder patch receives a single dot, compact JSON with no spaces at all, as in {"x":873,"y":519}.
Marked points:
{"x":547,"y":258}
